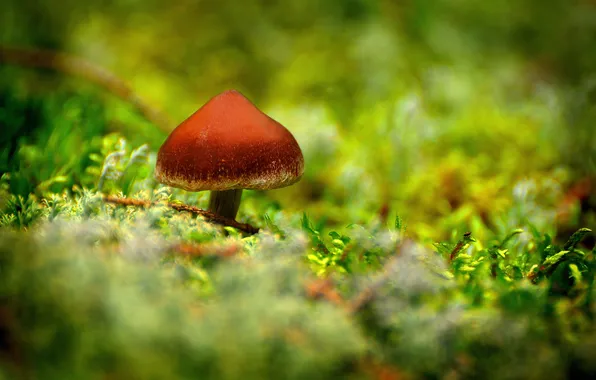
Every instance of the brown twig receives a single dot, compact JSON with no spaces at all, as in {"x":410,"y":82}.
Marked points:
{"x":378,"y":370}
{"x":76,"y":66}
{"x":362,"y":299}
{"x":323,"y":288}
{"x":202,"y":250}
{"x":207,"y":215}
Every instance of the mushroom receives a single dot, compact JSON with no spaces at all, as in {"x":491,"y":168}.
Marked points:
{"x":226,"y":146}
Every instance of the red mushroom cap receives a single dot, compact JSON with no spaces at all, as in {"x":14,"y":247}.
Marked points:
{"x":229,"y":144}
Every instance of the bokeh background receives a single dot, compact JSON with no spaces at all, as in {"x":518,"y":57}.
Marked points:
{"x":453,"y":115}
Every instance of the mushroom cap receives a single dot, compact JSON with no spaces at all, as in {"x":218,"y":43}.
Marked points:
{"x":228,"y":144}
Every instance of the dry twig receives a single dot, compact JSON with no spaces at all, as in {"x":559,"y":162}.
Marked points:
{"x":362,"y":299}
{"x":76,"y":66}
{"x":200,"y":250}
{"x":207,"y":215}
{"x":323,"y":288}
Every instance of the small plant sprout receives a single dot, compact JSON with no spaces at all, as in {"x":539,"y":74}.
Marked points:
{"x":226,"y":146}
{"x":118,"y":164}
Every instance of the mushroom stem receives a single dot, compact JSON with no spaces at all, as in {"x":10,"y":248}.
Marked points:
{"x":225,"y":203}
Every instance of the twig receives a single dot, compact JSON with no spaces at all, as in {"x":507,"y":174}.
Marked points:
{"x":362,"y":299}
{"x":201,"y":250}
{"x":323,"y":288}
{"x":207,"y":215}
{"x":72,"y":65}
{"x":379,"y":370}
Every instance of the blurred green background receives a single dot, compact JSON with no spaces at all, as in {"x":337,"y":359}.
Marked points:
{"x":446,"y":113}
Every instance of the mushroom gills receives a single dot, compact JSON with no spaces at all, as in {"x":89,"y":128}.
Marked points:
{"x":225,"y":203}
